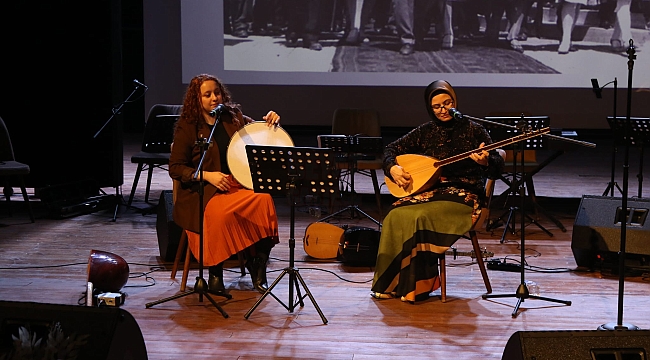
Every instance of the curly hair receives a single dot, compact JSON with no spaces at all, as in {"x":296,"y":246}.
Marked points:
{"x":192,"y":103}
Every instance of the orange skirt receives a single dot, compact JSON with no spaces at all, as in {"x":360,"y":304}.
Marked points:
{"x":233,"y":221}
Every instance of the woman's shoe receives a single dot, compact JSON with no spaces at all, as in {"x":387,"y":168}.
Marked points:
{"x":261,"y":283}
{"x":215,"y":285}
{"x":378,"y":295}
{"x":257,"y":269}
{"x":564,"y":48}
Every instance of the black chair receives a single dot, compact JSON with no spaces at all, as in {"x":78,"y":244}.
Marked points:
{"x":156,"y":144}
{"x":12,"y":169}
{"x":364,"y":122}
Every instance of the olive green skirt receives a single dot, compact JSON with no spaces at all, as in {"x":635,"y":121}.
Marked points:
{"x":413,"y":237}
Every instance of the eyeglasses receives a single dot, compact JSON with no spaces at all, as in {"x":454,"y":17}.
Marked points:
{"x":445,"y":105}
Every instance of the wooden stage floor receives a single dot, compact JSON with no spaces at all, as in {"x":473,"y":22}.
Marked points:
{"x":46,"y":262}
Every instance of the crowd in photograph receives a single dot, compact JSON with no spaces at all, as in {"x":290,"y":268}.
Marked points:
{"x":426,"y":24}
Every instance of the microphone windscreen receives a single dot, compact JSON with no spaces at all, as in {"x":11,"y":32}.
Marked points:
{"x":217,"y":110}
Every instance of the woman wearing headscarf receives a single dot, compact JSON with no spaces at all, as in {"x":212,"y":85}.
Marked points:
{"x":420,"y":227}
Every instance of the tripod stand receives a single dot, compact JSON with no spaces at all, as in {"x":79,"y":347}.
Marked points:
{"x":352,"y":148}
{"x":522,"y":292}
{"x":200,"y":286}
{"x":533,"y":144}
{"x":284,"y":169}
{"x":119,"y":199}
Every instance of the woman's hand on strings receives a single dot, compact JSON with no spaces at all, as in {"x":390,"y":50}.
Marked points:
{"x":480,"y":157}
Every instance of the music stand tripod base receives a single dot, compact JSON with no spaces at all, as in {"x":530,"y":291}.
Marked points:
{"x":201,"y":288}
{"x":522,"y":294}
{"x":294,"y":278}
{"x":282,"y":170}
{"x":615,"y":326}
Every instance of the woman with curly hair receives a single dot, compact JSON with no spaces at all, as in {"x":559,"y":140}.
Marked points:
{"x":418,"y":228}
{"x":235,"y":218}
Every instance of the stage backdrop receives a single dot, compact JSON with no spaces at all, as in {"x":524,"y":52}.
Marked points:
{"x":306,"y":86}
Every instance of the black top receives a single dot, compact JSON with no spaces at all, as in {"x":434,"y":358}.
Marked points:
{"x":442,"y":140}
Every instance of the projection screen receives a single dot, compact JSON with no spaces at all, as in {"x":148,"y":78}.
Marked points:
{"x":268,"y":60}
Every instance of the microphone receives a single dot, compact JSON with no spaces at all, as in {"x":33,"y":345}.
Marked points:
{"x":597,"y":90}
{"x":218,"y":110}
{"x":138,"y":83}
{"x":455,"y":113}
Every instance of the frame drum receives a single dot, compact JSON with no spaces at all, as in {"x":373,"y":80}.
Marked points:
{"x":255,"y":133}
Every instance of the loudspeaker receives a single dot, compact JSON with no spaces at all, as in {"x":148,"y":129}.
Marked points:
{"x":578,"y":345}
{"x":90,"y":332}
{"x":169,"y":234}
{"x":597,"y":228}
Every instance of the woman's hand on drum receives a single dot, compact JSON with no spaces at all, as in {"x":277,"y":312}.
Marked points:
{"x":272,"y":118}
{"x":401,"y":177}
{"x":220,"y":180}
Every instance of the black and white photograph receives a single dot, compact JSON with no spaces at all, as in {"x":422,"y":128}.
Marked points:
{"x":466,"y":38}
{"x":325,"y":179}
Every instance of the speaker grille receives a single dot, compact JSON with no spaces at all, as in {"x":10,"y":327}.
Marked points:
{"x":578,"y":345}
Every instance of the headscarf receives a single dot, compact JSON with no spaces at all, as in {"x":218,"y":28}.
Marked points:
{"x":435,"y":88}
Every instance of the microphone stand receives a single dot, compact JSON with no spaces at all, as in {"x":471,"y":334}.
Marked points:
{"x":201,"y":286}
{"x":598,"y":90}
{"x":115,"y":111}
{"x":624,"y":214}
{"x":522,"y":293}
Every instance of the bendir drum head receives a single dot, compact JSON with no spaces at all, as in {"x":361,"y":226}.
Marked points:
{"x":256,"y":133}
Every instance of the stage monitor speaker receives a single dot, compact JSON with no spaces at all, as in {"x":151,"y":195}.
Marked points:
{"x":578,"y":345}
{"x":88,"y":332}
{"x":597,"y":228}
{"x":169,"y":234}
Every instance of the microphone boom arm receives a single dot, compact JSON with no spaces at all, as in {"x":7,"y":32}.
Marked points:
{"x":584,"y":143}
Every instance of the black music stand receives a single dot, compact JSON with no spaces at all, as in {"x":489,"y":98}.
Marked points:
{"x":498,"y":133}
{"x":350,"y":149}
{"x":522,"y":293}
{"x":638,"y":133}
{"x":283,"y":170}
